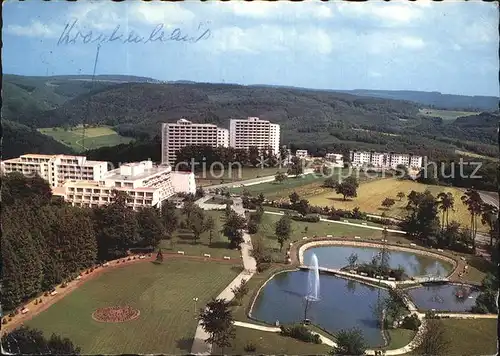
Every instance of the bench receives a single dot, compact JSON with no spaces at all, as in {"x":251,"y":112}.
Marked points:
{"x":346,"y":221}
{"x":304,"y":238}
{"x":440,"y":250}
{"x":363,"y":274}
{"x":364,"y":224}
{"x":329,"y":236}
{"x":180,"y":252}
{"x":413,"y":245}
{"x":53,"y":293}
{"x":391,"y":279}
{"x":357,"y":237}
{"x":227,"y":257}
{"x":206,"y":255}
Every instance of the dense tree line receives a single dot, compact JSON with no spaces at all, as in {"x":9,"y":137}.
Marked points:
{"x":45,"y":241}
{"x":28,"y":341}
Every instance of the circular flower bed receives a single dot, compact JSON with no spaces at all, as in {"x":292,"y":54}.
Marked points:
{"x":116,"y":314}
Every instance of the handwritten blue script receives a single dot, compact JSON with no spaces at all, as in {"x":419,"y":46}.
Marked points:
{"x":73,"y":35}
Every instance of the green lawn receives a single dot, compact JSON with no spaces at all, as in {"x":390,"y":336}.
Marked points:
{"x":399,"y":338}
{"x":217,"y":177}
{"x":95,"y":137}
{"x":269,"y":343}
{"x":163,"y":294}
{"x":320,"y":229}
{"x":306,"y":186}
{"x":183,"y":241}
{"x":446,"y":114}
{"x":471,"y":337}
{"x":219,"y":200}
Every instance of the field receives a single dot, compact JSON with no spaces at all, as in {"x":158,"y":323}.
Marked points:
{"x":95,"y":137}
{"x":216,"y":176}
{"x":270,"y":343}
{"x":183,"y":241}
{"x":446,"y":114}
{"x":371,"y":195}
{"x":306,"y":185}
{"x":163,"y":294}
{"x":268,"y":223}
{"x":474,"y":155}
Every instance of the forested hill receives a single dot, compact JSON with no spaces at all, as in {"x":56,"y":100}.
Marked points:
{"x":145,"y":106}
{"x":18,"y":139}
{"x":435,"y":99}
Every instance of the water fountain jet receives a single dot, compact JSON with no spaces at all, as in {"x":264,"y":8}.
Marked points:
{"x":312,"y":285}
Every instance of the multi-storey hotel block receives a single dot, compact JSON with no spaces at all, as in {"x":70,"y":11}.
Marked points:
{"x":56,"y":169}
{"x":254,"y":132}
{"x":384,"y":160}
{"x":144,"y":183}
{"x":242,"y":134}
{"x":186,"y":133}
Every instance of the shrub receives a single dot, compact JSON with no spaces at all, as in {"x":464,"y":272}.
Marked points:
{"x":307,"y":218}
{"x":263,"y":266}
{"x":87,"y":272}
{"x":300,"y":332}
{"x":64,"y":285}
{"x":39,"y":300}
{"x":4,"y":321}
{"x":334,"y":217}
{"x":250,"y":347}
{"x":411,"y":322}
{"x":253,"y":227}
{"x":46,"y":294}
{"x":128,"y":259}
{"x":36,"y":302}
{"x":12,"y":315}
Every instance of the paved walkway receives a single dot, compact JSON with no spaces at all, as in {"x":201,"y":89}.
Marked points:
{"x":200,"y":347}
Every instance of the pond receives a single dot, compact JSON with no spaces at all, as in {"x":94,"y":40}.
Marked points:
{"x":335,"y":257}
{"x":343,"y":304}
{"x":444,"y":297}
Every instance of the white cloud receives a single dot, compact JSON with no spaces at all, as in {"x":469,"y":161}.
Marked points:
{"x":384,"y":43}
{"x":374,"y":74}
{"x":156,"y":13}
{"x":35,"y":29}
{"x":411,"y":42}
{"x":270,"y":38}
{"x":389,"y":14}
{"x":282,"y":10}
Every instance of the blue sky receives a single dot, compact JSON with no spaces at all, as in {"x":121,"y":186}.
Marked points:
{"x":451,"y":47}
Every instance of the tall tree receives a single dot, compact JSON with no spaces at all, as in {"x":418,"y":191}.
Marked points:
{"x":294,"y":198}
{"x":280,"y":177}
{"x":445,"y":204}
{"x":169,"y":217}
{"x":434,"y":340}
{"x":254,"y":156}
{"x":151,"y":228}
{"x":472,"y":199}
{"x":210,"y":226}
{"x":296,"y":167}
{"x":232,"y":229}
{"x":283,"y":229}
{"x":302,"y":207}
{"x":400,"y":195}
{"x":197,"y":223}
{"x":349,"y":342}
{"x":217,"y":321}
{"x":489,"y":217}
{"x":388,"y":202}
{"x":348,"y":187}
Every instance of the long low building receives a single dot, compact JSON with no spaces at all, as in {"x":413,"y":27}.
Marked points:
{"x":145,"y":184}
{"x":384,"y":160}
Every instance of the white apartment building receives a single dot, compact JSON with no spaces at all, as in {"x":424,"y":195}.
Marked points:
{"x":144,"y":183}
{"x":301,"y":154}
{"x":384,"y":160}
{"x":337,"y":159}
{"x":56,"y":168}
{"x":245,"y":133}
{"x":186,"y":133}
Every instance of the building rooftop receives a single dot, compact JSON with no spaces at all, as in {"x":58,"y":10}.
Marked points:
{"x":148,"y":172}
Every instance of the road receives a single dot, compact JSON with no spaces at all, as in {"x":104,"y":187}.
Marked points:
{"x":200,"y":347}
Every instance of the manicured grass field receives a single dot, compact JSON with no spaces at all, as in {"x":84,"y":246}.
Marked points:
{"x":399,"y":338}
{"x":446,"y":114}
{"x":268,"y":223}
{"x":270,"y":343}
{"x":163,"y":294}
{"x":183,"y":241}
{"x":95,"y":137}
{"x":471,"y":337}
{"x":371,"y":195}
{"x":226,"y":176}
{"x":305,"y":186}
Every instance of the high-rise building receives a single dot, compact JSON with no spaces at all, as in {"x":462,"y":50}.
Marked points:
{"x":186,"y":133}
{"x":254,"y":132}
{"x":56,"y":168}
